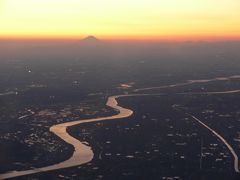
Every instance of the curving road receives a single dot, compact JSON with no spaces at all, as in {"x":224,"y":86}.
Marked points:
{"x":236,"y":161}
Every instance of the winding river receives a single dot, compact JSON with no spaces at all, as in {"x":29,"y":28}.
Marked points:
{"x":83,"y":153}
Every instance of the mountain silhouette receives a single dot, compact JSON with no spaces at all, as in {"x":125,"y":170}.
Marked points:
{"x":90,"y":39}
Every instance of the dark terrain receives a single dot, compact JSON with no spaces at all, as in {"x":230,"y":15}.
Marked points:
{"x":42,"y":84}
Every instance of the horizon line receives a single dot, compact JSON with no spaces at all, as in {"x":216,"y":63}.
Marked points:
{"x":173,"y":38}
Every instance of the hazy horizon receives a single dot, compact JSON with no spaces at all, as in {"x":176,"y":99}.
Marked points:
{"x":125,"y":90}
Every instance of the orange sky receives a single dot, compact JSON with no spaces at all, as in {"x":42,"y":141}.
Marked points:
{"x":125,"y":19}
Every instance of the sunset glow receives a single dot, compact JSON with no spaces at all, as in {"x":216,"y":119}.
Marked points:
{"x":109,"y":19}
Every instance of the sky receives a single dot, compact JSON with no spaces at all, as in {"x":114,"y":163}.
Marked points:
{"x":124,"y":19}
